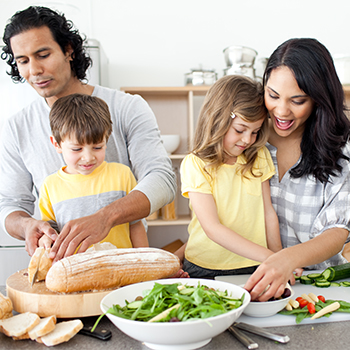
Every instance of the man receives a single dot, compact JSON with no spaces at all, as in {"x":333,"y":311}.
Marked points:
{"x":42,"y":47}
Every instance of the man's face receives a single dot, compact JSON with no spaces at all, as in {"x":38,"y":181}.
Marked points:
{"x":42,"y":63}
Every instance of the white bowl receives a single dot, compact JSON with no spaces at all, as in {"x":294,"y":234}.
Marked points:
{"x":171,"y":142}
{"x":174,"y":335}
{"x":267,"y":308}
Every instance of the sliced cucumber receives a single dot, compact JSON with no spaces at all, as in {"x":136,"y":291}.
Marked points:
{"x":322,"y":283}
{"x":345,"y":284}
{"x":335,"y":284}
{"x":315,"y":276}
{"x":306,"y":280}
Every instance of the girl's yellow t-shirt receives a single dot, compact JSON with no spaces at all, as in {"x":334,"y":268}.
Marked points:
{"x":239,"y":204}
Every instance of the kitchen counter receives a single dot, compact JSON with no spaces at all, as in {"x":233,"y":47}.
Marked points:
{"x":316,"y":336}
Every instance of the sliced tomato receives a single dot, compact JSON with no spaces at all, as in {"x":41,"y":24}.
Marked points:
{"x":303,"y":302}
{"x":322,"y":298}
{"x":311,"y":308}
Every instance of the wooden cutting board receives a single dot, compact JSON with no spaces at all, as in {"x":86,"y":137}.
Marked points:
{"x":42,"y":301}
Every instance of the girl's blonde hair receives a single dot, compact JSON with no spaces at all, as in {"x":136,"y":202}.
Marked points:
{"x":231,"y":94}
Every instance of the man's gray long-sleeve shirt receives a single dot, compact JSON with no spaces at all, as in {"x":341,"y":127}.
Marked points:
{"x":27,"y":155}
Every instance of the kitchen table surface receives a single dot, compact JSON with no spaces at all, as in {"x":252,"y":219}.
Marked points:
{"x":334,"y":335}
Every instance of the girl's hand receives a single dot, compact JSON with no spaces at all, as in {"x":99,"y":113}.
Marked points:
{"x":273,"y":273}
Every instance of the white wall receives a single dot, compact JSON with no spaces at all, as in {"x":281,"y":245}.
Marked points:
{"x":155,"y":42}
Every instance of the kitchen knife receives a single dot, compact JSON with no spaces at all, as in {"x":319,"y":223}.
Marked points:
{"x":261,"y":331}
{"x":244,"y":339}
{"x":34,"y":276}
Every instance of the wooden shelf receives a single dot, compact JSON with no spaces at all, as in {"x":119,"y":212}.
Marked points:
{"x":346,"y":89}
{"x":177,"y":156}
{"x":199,"y":90}
{"x":182,"y":220}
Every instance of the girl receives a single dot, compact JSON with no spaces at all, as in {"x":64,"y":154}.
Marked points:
{"x":234,"y":226}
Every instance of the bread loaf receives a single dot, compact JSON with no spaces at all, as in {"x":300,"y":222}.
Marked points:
{"x":113,"y":268}
{"x":5,"y":307}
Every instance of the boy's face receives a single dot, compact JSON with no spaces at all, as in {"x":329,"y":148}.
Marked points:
{"x":80,"y":159}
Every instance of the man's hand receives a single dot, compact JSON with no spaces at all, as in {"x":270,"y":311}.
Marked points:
{"x":36,"y":230}
{"x":82,"y":233}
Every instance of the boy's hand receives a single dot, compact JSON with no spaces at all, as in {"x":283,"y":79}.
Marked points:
{"x":45,"y":242}
{"x":82,"y":233}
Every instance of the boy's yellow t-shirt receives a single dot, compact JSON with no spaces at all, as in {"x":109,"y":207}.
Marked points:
{"x":239,"y":204}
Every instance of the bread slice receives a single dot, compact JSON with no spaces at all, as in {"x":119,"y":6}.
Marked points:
{"x":40,"y":261}
{"x":45,"y":326}
{"x":5,"y":307}
{"x":45,"y":265}
{"x":62,"y":333}
{"x":18,"y":325}
{"x":34,"y":263}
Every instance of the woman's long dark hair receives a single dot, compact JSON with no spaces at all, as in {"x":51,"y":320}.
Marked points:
{"x":327,"y":129}
{"x":62,"y":30}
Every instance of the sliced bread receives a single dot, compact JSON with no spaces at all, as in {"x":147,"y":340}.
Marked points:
{"x":18,"y":325}
{"x":62,"y":333}
{"x":45,"y":326}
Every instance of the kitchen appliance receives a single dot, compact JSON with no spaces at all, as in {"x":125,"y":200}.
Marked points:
{"x":240,"y":60}
{"x":201,"y":77}
{"x":14,"y":97}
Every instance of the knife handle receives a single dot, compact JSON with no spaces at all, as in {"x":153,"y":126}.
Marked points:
{"x":102,"y":334}
{"x":281,"y":338}
{"x":244,"y":339}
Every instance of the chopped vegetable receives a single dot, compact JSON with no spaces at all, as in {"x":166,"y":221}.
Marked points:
{"x":329,"y":308}
{"x":321,"y":308}
{"x":337,"y":272}
{"x":294,"y":303}
{"x":322,"y":298}
{"x":306,"y":297}
{"x":311,"y":308}
{"x":313,"y":297}
{"x":302,"y":302}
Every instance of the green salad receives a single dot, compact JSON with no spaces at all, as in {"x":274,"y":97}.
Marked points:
{"x":176,"y":303}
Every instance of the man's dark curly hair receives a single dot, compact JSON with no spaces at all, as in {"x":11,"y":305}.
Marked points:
{"x":63,"y":32}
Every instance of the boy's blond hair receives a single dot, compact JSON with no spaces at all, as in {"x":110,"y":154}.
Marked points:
{"x":231,"y":94}
{"x":84,"y":117}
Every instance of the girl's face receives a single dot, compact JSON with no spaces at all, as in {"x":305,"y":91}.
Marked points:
{"x":240,"y":136}
{"x":288,"y":106}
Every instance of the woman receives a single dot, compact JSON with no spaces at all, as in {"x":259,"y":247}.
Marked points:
{"x":309,"y":143}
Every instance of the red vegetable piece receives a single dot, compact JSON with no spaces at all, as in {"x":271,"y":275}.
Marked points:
{"x":311,"y":308}
{"x":322,"y":298}
{"x":303,"y":302}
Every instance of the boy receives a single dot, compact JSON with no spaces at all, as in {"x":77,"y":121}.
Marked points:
{"x":81,"y":125}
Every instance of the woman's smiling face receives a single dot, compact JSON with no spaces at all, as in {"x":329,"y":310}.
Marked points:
{"x":288,"y":106}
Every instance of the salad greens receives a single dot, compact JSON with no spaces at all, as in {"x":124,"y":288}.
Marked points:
{"x":186,"y":303}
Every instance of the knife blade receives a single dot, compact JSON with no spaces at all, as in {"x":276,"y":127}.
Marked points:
{"x":34,"y":276}
{"x":281,"y":338}
{"x":243,"y":338}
